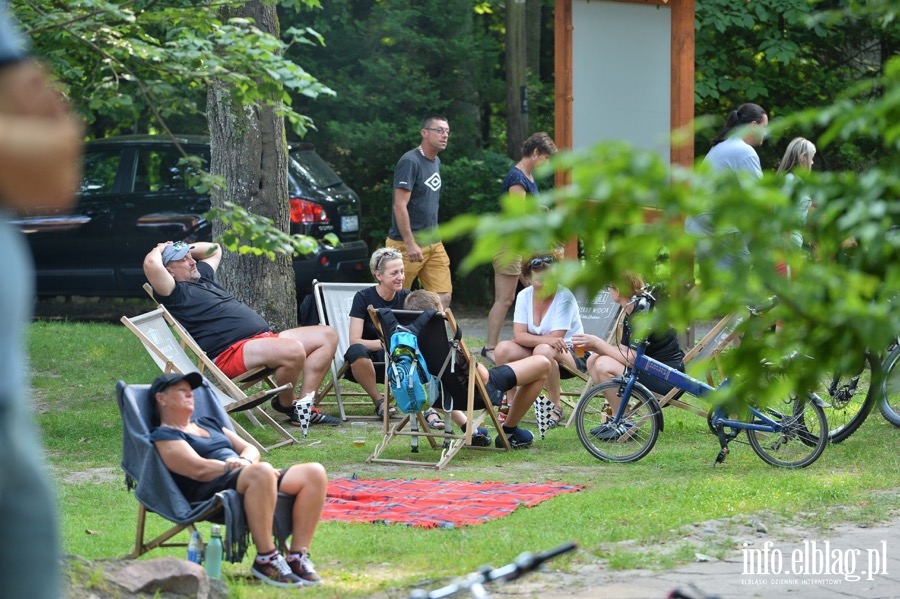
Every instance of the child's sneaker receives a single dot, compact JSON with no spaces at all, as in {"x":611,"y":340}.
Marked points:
{"x":303,"y":568}
{"x":276,"y":572}
{"x":519,"y":438}
{"x":481,"y":438}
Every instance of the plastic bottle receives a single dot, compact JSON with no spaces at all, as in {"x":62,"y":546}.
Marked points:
{"x":503,"y":411}
{"x":214,"y":553}
{"x":195,"y":548}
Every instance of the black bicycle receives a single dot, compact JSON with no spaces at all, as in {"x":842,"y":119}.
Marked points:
{"x":849,"y":397}
{"x":890,"y":388}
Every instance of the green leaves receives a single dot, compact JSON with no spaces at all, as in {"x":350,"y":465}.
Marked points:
{"x":120,"y":61}
{"x":250,"y":233}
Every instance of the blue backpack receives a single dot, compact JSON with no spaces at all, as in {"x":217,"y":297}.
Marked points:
{"x":412,"y":385}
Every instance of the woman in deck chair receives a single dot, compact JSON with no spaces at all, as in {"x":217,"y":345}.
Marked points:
{"x":608,"y":360}
{"x":543,"y":325}
{"x":205,"y":458}
{"x":528,"y":375}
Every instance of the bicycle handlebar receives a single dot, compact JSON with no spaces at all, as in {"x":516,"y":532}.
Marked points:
{"x":523,"y":564}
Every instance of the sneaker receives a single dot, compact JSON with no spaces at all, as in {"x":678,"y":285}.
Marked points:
{"x":317,"y":416}
{"x":519,"y":438}
{"x":481,"y":438}
{"x":303,"y":568}
{"x":495,"y":395}
{"x":609,"y":431}
{"x":276,"y":572}
{"x":276,"y":405}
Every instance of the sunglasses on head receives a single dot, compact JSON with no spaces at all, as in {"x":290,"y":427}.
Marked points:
{"x":539,"y":263}
{"x":389,"y":255}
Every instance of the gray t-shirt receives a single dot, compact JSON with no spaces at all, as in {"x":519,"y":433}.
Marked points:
{"x":422,"y":177}
{"x":738,"y":156}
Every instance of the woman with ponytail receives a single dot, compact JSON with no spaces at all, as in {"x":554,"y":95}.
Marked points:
{"x":732,"y":149}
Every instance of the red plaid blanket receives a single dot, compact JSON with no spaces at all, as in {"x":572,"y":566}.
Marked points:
{"x":431,"y":503}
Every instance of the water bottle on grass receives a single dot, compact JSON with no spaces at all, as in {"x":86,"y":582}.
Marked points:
{"x":195,"y":548}
{"x":214,"y":553}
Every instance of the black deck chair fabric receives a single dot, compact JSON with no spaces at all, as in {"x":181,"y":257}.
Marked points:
{"x":437,"y":350}
{"x":156,"y":490}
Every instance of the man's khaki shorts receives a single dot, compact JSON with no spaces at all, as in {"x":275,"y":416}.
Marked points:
{"x":434,"y":270}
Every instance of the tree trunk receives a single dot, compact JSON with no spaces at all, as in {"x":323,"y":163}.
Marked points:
{"x":249,"y":150}
{"x":533,"y":29}
{"x":516,"y":118}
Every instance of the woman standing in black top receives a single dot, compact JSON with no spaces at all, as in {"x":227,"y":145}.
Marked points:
{"x":608,"y":360}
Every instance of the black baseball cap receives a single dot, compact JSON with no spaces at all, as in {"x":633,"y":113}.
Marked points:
{"x":164,"y":381}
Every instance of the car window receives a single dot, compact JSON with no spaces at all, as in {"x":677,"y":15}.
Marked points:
{"x":313,"y":169}
{"x":100,"y":171}
{"x":160,"y":171}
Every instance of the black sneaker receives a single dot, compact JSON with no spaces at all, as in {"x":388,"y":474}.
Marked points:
{"x":481,"y":438}
{"x":276,"y":405}
{"x":610,"y":431}
{"x":519,"y":438}
{"x":317,"y":416}
{"x":276,"y":572}
{"x":303,"y":568}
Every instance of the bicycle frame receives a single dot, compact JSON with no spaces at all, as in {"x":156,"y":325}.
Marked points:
{"x":692,"y":386}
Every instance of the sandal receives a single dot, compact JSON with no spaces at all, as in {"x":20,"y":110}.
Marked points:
{"x":435,"y":423}
{"x":554,"y":422}
{"x":379,"y":411}
{"x":488,"y":354}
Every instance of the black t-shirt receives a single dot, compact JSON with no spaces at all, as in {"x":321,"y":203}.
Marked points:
{"x":211,"y":315}
{"x":369,"y":297}
{"x":215,"y":447}
{"x":662,"y":347}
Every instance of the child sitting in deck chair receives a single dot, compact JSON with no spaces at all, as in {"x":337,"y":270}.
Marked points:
{"x":528,"y":374}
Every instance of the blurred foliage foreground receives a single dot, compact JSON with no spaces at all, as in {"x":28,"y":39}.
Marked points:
{"x":838,"y":302}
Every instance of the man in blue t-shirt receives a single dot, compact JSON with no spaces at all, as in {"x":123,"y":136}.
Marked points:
{"x":233,"y":334}
{"x":417,"y":197}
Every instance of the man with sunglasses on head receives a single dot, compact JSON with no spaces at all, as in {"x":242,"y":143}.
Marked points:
{"x":417,"y":196}
{"x":234,"y":335}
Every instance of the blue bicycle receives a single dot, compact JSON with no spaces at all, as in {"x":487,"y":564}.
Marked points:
{"x":620,"y":420}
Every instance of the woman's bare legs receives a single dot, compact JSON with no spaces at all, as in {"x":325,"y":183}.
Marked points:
{"x":363,"y":370}
{"x":308,"y":484}
{"x":504,"y":295}
{"x":257,"y":483}
{"x":603,"y":369}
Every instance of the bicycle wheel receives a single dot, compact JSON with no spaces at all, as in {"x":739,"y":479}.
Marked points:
{"x":802,"y":439}
{"x":628,"y":440}
{"x":850,"y":398}
{"x":890,"y":391}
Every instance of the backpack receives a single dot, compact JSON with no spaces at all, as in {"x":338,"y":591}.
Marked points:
{"x":411,"y":383}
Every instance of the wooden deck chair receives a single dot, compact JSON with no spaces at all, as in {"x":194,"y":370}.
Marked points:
{"x":333,"y":303}
{"x":246,"y":380}
{"x":156,"y":491}
{"x":167,"y":343}
{"x":707,"y":350}
{"x":436,"y":346}
{"x":599,"y":317}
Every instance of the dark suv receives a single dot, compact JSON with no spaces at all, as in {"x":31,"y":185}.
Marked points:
{"x":135,"y":194}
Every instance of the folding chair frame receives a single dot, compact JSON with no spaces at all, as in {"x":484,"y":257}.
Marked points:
{"x":328,"y":294}
{"x":450,"y":444}
{"x":232,"y":394}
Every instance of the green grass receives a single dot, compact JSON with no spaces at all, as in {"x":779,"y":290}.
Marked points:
{"x":75,"y":368}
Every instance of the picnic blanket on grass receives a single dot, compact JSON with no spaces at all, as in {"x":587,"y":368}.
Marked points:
{"x":431,"y":503}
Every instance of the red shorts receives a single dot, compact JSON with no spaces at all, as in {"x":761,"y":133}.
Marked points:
{"x":231,"y":361}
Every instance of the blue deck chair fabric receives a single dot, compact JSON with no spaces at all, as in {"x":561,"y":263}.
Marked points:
{"x":154,"y":487}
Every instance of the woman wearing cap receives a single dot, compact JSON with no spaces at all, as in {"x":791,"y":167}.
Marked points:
{"x":205,"y":458}
{"x":544,"y":322}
